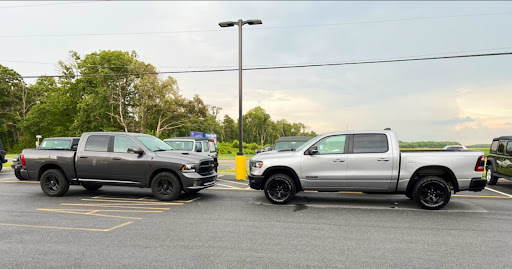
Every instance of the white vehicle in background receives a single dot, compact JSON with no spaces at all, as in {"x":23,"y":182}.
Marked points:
{"x":455,"y":148}
{"x":201,"y":145}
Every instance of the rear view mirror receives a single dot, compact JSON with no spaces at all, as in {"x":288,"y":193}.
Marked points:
{"x":313,"y":150}
{"x":135,"y":150}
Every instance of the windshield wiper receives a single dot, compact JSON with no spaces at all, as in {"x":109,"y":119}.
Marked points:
{"x":160,"y":150}
{"x":286,"y":150}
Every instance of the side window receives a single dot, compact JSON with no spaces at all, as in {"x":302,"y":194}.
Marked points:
{"x":205,"y":146}
{"x":97,"y":143}
{"x":494,"y":146}
{"x":501,"y":148}
{"x":122,"y":143}
{"x":509,"y":148}
{"x":198,"y":146}
{"x":332,"y":145}
{"x":370,"y":143}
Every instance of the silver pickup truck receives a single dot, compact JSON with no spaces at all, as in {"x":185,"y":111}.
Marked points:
{"x":369,"y":162}
{"x":125,"y":159}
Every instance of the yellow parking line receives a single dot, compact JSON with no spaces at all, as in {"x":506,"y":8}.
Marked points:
{"x":246,"y":184}
{"x":116,"y":206}
{"x":67,"y":228}
{"x":135,"y":202}
{"x":143,"y":199}
{"x":67,"y":211}
{"x":188,"y":201}
{"x":234,"y":189}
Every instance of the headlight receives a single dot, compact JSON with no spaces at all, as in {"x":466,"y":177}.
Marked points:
{"x":189,"y":168}
{"x":256,"y":164}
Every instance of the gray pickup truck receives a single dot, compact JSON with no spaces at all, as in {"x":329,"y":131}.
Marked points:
{"x":125,"y":159}
{"x":369,"y":162}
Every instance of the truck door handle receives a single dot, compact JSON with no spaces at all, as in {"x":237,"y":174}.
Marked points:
{"x":383,"y":160}
{"x":116,"y":158}
{"x":82,"y":157}
{"x":338,"y":160}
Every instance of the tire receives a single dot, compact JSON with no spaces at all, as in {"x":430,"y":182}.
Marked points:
{"x":54,"y":183}
{"x":18,"y":174}
{"x":280,"y":189}
{"x":91,"y":186}
{"x":432,"y":193}
{"x":491,"y":178}
{"x":166,"y":186}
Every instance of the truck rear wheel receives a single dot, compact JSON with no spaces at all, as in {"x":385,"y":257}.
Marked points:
{"x":432,"y":192}
{"x":166,"y":187}
{"x":54,"y":183}
{"x":491,"y":178}
{"x":280,"y":189}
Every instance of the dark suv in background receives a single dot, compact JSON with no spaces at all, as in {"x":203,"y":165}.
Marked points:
{"x":499,"y":161}
{"x":2,"y":155}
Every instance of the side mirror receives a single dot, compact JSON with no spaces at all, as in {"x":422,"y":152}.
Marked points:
{"x":135,"y":150}
{"x":313,"y":150}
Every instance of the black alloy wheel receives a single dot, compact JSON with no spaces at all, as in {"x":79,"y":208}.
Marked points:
{"x":54,"y":183}
{"x":280,"y":189}
{"x":166,"y":187}
{"x":432,"y":192}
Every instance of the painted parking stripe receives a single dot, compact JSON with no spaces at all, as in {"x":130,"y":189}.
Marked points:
{"x":502,"y":193}
{"x":67,"y":228}
{"x":239,"y":183}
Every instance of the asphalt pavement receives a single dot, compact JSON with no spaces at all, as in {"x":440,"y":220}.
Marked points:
{"x":232,"y":226}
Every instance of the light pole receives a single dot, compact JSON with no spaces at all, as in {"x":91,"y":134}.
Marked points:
{"x":240,"y":158}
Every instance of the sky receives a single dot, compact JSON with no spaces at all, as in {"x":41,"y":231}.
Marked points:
{"x":465,"y":100}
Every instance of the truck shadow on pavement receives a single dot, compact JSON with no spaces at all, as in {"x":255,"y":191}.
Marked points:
{"x":304,"y":201}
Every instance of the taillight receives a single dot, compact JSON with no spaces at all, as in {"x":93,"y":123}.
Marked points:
{"x":480,"y":164}
{"x":23,"y":161}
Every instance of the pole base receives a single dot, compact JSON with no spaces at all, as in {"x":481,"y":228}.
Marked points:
{"x":241,"y":167}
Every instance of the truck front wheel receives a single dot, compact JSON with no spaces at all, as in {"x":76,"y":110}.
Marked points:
{"x":280,"y":189}
{"x":54,"y":183}
{"x":166,"y":187}
{"x":432,"y":192}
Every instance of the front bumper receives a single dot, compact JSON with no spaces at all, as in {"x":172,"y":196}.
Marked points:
{"x":195,"y":181}
{"x":256,"y":182}
{"x":477,"y":184}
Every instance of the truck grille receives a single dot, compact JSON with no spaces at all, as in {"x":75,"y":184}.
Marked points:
{"x":206,"y":168}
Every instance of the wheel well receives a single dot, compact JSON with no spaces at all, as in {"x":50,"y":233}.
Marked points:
{"x":158,"y":171}
{"x":47,"y":167}
{"x":491,"y":162}
{"x":440,"y":171}
{"x":283,"y":170}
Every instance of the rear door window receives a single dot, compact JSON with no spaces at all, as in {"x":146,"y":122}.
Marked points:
{"x":494,"y":146}
{"x":501,"y":148}
{"x":97,"y":143}
{"x":205,"y":146}
{"x":370,"y":143}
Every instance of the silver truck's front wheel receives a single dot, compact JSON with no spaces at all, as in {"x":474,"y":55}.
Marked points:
{"x":280,"y":189}
{"x":432,"y":192}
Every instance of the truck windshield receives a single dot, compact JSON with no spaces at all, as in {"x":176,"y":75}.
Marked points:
{"x":56,"y":144}
{"x":153,"y":143}
{"x":181,"y":145}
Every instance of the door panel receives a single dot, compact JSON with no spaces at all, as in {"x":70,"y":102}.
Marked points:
{"x":94,"y":161}
{"x":370,"y":166}
{"x":327,"y":169}
{"x":127,"y":166}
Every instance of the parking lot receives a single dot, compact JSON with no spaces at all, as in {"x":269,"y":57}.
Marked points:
{"x":233,"y":226}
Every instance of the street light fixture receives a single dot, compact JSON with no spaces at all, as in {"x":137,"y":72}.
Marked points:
{"x":240,"y":158}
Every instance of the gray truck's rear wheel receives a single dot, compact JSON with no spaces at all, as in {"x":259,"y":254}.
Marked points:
{"x":491,"y":178}
{"x":91,"y":186}
{"x":166,"y":187}
{"x":280,"y":189}
{"x":432,"y":192}
{"x":54,"y":183}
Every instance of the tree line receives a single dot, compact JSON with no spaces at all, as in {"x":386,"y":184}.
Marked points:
{"x":133,"y":102}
